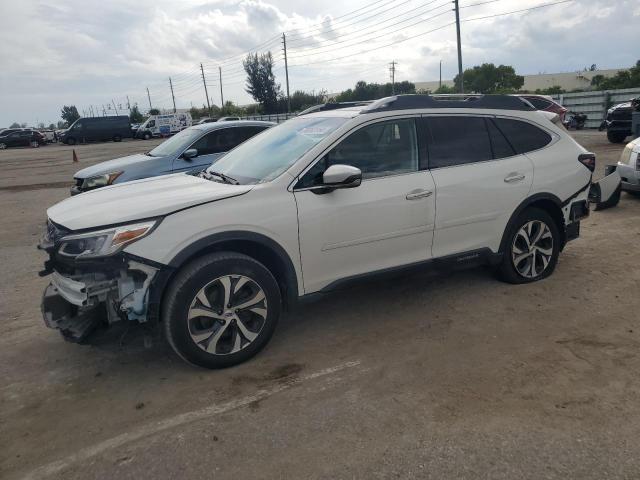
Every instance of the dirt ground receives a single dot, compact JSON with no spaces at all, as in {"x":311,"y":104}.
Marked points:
{"x":454,"y":376}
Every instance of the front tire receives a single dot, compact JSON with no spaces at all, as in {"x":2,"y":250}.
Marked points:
{"x":532,"y":248}
{"x":117,"y":138}
{"x":616,"y":137}
{"x":71,"y":141}
{"x":221,"y":310}
{"x":146,"y":136}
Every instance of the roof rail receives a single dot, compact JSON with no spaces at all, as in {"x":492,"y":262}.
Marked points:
{"x":334,"y":106}
{"x":407,"y":102}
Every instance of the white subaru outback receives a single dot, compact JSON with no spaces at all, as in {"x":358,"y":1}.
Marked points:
{"x":320,"y":200}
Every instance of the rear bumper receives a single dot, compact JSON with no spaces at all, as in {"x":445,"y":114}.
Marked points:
{"x":629,"y":178}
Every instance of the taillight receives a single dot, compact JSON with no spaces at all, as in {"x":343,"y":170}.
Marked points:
{"x":588,"y":160}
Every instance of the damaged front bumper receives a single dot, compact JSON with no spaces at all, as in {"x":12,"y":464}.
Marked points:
{"x":77,"y":302}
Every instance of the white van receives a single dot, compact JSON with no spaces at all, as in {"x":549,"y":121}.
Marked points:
{"x":164,"y":125}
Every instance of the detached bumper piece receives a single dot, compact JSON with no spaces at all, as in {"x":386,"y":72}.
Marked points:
{"x":75,"y":324}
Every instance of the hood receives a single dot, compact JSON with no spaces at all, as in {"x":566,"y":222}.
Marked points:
{"x":621,"y":106}
{"x":114,"y":165}
{"x":146,"y":198}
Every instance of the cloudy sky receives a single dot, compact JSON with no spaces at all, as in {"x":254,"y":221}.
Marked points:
{"x":96,"y":52}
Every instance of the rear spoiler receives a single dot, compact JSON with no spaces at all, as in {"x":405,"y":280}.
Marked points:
{"x":552,"y":117}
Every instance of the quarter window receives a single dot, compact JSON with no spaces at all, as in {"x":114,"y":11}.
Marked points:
{"x":499,"y":143}
{"x":457,"y":141}
{"x":539,"y":103}
{"x":379,"y":150}
{"x":523,"y":136}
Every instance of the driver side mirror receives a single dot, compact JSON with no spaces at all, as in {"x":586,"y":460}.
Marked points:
{"x":339,"y":176}
{"x":190,"y":153}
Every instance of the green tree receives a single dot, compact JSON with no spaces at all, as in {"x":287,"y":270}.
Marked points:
{"x":261,"y":82}
{"x":14,"y":125}
{"x":154,"y":111}
{"x":487,"y":78}
{"x":554,"y":90}
{"x":69,"y":114}
{"x":623,"y":79}
{"x":301,"y":100}
{"x":62,"y":124}
{"x":230,"y":109}
{"x":134,"y":115}
{"x":372,"y":91}
{"x":52,"y":126}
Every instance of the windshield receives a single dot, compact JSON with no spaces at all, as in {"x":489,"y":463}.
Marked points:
{"x":176,"y":144}
{"x":265,"y":156}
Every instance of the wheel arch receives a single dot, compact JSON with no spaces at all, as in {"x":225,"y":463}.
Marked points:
{"x":548,"y":202}
{"x":255,"y":245}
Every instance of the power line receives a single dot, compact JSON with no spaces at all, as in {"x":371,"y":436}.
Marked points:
{"x":377,"y":48}
{"x":335,"y":23}
{"x":351,"y":32}
{"x":366,"y":40}
{"x":517,"y":11}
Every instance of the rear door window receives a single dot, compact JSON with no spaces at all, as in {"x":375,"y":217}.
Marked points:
{"x":457,"y":140}
{"x":523,"y":136}
{"x":245,"y":133}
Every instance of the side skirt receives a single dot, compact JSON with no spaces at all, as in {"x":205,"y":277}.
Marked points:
{"x":458,"y":261}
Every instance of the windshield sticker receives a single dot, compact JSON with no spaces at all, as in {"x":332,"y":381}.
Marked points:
{"x":315,"y":131}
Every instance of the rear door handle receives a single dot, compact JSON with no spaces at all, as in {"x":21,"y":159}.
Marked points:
{"x":514,"y":177}
{"x":417,"y":195}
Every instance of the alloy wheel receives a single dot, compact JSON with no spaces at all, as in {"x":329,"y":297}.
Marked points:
{"x":2,"y":146}
{"x":532,"y":249}
{"x":227,"y":314}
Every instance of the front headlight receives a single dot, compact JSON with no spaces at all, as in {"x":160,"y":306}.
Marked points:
{"x":106,"y":242}
{"x":100,"y":180}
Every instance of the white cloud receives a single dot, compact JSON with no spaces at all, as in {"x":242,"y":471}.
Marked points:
{"x":88,"y":52}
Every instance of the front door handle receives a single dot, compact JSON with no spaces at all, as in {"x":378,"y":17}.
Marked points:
{"x":514,"y":177}
{"x":418,"y":194}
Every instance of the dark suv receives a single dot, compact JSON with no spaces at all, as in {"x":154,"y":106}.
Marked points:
{"x":21,"y":138}
{"x":618,"y":120}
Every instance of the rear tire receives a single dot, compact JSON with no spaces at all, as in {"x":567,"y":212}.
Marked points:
{"x":531,"y":249}
{"x":117,"y":138}
{"x":71,"y":141}
{"x":221,"y":310}
{"x":616,"y":137}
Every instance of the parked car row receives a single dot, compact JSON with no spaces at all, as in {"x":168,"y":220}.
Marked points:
{"x":214,"y":254}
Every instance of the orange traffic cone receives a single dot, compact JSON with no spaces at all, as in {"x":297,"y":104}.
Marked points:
{"x":75,"y":157}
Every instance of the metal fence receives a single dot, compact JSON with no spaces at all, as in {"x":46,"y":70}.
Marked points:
{"x":595,"y":104}
{"x":276,"y":117}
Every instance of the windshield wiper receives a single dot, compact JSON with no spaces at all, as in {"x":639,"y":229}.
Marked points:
{"x":225,"y":178}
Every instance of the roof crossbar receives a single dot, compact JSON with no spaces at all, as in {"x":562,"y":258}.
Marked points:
{"x":408,"y":102}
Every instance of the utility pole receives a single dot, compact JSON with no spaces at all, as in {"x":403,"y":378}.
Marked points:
{"x":206,"y":93}
{"x":286,"y":71}
{"x":149,"y":97}
{"x":392,"y":72}
{"x":440,"y":81}
{"x":172,"y":96}
{"x":221,"y":95}
{"x":114,"y":106}
{"x":128,"y":103}
{"x":104,"y":112}
{"x":460,"y":80}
